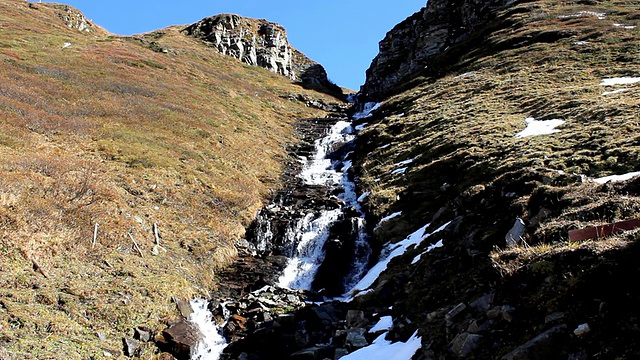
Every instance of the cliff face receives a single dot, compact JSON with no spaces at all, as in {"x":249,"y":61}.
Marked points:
{"x":261,"y":43}
{"x":411,"y":45}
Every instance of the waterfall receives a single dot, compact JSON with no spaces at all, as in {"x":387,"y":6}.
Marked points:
{"x":311,"y":233}
{"x":307,"y":231}
{"x":212,"y":343}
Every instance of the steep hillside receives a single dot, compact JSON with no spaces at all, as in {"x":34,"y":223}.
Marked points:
{"x":130,"y":166}
{"x":444,"y":148}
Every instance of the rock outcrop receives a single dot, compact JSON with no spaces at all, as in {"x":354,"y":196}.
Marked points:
{"x":411,"y":45}
{"x":74,"y":19}
{"x":261,"y":43}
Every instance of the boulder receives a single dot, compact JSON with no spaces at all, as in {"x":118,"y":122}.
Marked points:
{"x":464,"y":344}
{"x":356,"y":338}
{"x":131,"y":347}
{"x":179,"y":338}
{"x":539,"y":348}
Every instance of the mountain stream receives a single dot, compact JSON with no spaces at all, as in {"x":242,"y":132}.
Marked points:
{"x":306,"y":233}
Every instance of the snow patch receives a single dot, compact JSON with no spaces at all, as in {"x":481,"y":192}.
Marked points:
{"x":405,"y":162}
{"x":617,"y":178}
{"x":600,"y":16}
{"x":619,"y":81}
{"x":363,"y":196}
{"x":614,"y":91}
{"x":361,"y":126}
{"x":392,"y":251}
{"x":384,"y":349}
{"x":429,"y":249}
{"x":387,"y":218}
{"x":539,"y":127}
{"x":399,"y":171}
{"x":628,"y":27}
{"x":212,"y":343}
{"x":385,"y":323}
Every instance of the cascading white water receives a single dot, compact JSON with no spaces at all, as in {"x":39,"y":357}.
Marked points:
{"x":307,"y":236}
{"x":212,"y":343}
{"x":310,"y":235}
{"x":314,"y":230}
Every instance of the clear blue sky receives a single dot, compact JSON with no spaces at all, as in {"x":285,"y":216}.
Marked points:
{"x":342,"y":35}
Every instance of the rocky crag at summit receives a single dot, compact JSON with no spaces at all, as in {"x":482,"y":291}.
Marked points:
{"x":423,"y":38}
{"x":262,"y":43}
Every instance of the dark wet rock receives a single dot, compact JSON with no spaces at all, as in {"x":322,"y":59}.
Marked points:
{"x":553,"y":317}
{"x":455,"y":311}
{"x":355,"y":318}
{"x":464,"y":344}
{"x":482,"y":303}
{"x":540,"y":347}
{"x":356,"y":338}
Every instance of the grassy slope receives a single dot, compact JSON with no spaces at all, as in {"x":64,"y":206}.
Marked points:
{"x":459,"y":117}
{"x":108,"y":131}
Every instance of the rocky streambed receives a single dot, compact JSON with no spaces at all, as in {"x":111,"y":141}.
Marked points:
{"x":305,"y":247}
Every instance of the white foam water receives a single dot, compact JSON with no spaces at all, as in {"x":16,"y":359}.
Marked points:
{"x":212,"y":344}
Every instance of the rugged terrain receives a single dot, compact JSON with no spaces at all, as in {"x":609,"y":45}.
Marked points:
{"x":130,"y":132}
{"x":106,"y":141}
{"x":453,"y":120}
{"x":457,"y":82}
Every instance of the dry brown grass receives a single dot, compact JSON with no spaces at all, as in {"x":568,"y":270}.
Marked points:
{"x":463,"y":122}
{"x":108,"y":131}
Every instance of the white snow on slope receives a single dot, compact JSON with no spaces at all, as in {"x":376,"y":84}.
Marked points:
{"x":429,"y":249}
{"x":399,"y":171}
{"x":387,"y":218}
{"x":392,"y":251}
{"x":363,"y":196}
{"x":600,"y":16}
{"x":627,"y":27}
{"x":539,"y":127}
{"x":385,"y":323}
{"x":405,"y":162}
{"x":619,"y":81}
{"x":614,"y":91}
{"x":384,"y":349}
{"x":616,"y":178}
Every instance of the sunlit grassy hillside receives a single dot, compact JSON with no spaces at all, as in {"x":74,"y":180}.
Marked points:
{"x":122,"y":135}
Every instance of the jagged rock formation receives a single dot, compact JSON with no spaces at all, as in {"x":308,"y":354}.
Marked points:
{"x":74,"y":19}
{"x":261,"y":43}
{"x":411,"y":45}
